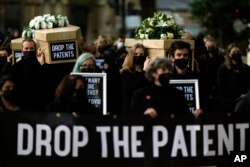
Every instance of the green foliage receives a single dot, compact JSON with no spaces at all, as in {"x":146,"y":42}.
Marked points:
{"x":160,"y":26}
{"x":218,"y":16}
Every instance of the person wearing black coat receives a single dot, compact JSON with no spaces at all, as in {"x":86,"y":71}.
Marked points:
{"x":33,"y":77}
{"x":233,"y":78}
{"x":71,"y":97}
{"x":160,"y":97}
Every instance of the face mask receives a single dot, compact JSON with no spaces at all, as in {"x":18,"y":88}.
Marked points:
{"x":120,"y":45}
{"x":181,"y":63}
{"x":237,"y":57}
{"x":28,"y":55}
{"x":139,"y":60}
{"x":212,"y":49}
{"x":88,"y":69}
{"x":10,"y":95}
{"x":164,"y":79}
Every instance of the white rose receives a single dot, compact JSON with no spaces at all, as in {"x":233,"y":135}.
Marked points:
{"x":151,"y":23}
{"x":37,"y":25}
{"x":29,"y":34}
{"x":38,"y":18}
{"x":170,"y":23}
{"x":46,"y":15}
{"x":142,"y":36}
{"x":163,"y":36}
{"x":61,"y":22}
{"x":170,"y":35}
{"x":51,"y":19}
{"x":43,"y":25}
{"x":149,"y":30}
{"x":24,"y":34}
{"x":146,"y":36}
{"x":32,"y":23}
{"x":49,"y":25}
{"x":169,"y":17}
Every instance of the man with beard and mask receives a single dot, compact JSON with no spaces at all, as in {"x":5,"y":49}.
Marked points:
{"x":233,"y":78}
{"x":32,"y":76}
{"x":71,"y":97}
{"x":160,"y":97}
{"x":132,"y":75}
{"x":8,"y":94}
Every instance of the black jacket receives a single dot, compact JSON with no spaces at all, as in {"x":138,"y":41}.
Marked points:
{"x":162,"y":99}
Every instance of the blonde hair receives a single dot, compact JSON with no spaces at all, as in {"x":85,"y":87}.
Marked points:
{"x":128,"y":63}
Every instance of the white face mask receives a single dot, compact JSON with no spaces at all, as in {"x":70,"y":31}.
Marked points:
{"x":120,"y":45}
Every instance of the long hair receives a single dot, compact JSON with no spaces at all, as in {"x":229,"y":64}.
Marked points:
{"x":228,"y":60}
{"x":66,"y":88}
{"x":128,"y":63}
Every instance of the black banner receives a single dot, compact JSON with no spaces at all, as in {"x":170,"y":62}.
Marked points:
{"x":58,"y":139}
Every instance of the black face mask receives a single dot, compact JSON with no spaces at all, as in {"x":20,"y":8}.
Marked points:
{"x":237,"y":57}
{"x":29,"y":55}
{"x":164,"y":79}
{"x":139,"y":60}
{"x":212,"y":49}
{"x":181,"y":63}
{"x":10,"y":95}
{"x":88,"y":69}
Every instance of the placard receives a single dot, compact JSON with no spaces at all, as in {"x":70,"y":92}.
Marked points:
{"x":100,"y":63}
{"x":96,"y":89}
{"x":63,"y":51}
{"x":17,"y":56}
{"x":190,"y":88}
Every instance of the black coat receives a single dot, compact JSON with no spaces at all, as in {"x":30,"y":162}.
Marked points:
{"x":162,"y":99}
{"x":130,"y":82}
{"x":80,"y":108}
{"x":232,"y":83}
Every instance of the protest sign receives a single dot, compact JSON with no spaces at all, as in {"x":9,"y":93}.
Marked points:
{"x":96,"y":89}
{"x":190,"y":89}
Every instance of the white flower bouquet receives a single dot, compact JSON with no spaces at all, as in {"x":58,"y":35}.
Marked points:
{"x":44,"y":22}
{"x":160,"y":26}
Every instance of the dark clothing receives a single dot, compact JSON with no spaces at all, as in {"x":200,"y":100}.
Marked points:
{"x":188,"y":75}
{"x":162,"y":99}
{"x":232,"y":83}
{"x":131,"y":81}
{"x":243,"y":104}
{"x":33,"y":83}
{"x":4,"y":109}
{"x":203,"y":86}
{"x":69,"y":107}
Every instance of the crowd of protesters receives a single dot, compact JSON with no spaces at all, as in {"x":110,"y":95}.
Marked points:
{"x":136,"y":83}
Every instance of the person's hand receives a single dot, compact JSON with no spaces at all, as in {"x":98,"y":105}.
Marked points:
{"x":197,"y":113}
{"x":146,"y":63}
{"x":9,"y":59}
{"x":41,"y":56}
{"x":151,"y":112}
